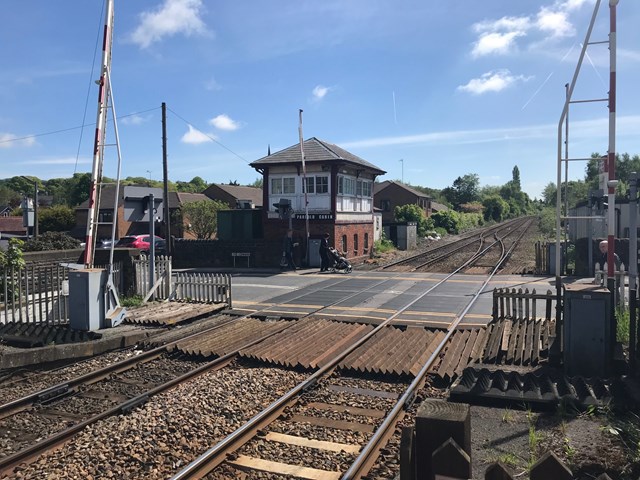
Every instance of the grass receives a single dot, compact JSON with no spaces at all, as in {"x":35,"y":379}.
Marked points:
{"x":622,"y":325}
{"x":534,"y":439}
{"x":134,"y":301}
{"x":383,"y":246}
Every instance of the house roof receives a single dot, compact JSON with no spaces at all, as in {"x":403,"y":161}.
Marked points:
{"x":185,"y":197}
{"x":12,"y":224}
{"x":378,"y":187}
{"x":438,"y":207}
{"x":239,"y":192}
{"x":108,"y":192}
{"x":315,"y":151}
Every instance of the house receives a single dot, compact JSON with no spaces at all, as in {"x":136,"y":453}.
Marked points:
{"x":5,"y":210}
{"x":236,"y":196}
{"x":332,"y":193}
{"x":390,"y":194}
{"x":125,"y":227}
{"x":12,"y":226}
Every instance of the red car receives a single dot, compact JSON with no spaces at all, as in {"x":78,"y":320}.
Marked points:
{"x":143,"y":242}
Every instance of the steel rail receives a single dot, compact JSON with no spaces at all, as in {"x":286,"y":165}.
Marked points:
{"x":213,"y":457}
{"x":70,"y":386}
{"x":474,"y":237}
{"x":367,"y":457}
{"x":25,"y":455}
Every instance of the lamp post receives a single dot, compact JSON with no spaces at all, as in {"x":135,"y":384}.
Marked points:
{"x":35,"y":205}
{"x":402,"y":162}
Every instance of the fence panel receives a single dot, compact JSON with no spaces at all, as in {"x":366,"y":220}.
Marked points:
{"x":162,"y":272}
{"x":39,"y":293}
{"x":202,"y":287}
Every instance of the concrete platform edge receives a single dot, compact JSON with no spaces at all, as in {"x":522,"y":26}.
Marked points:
{"x":53,"y":353}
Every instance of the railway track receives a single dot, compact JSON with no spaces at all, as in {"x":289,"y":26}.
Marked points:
{"x":239,"y":449}
{"x":448,"y":257}
{"x":242,"y":420}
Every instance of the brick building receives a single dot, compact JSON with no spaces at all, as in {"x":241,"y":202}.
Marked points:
{"x":339,"y":195}
{"x":236,"y":196}
{"x":125,"y":227}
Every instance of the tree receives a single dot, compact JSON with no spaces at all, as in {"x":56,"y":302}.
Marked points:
{"x":413,"y":213}
{"x":59,"y":218}
{"x":465,"y":189}
{"x":257,"y":183}
{"x":201,"y":217}
{"x":9,"y":197}
{"x":495,"y":208}
{"x":449,"y":220}
{"x":195,"y":185}
{"x":80,"y":186}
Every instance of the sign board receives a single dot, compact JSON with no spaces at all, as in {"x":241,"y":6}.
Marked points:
{"x":136,"y":203}
{"x":603,"y":174}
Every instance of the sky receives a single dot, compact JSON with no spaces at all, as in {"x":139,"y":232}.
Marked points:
{"x":427,"y":91}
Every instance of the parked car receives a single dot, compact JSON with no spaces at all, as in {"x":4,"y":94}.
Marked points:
{"x":142,"y":242}
{"x":104,"y":243}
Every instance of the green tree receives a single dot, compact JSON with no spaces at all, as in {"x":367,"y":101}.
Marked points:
{"x":495,"y":208}
{"x":59,"y":218}
{"x":9,"y":197}
{"x":201,"y":217}
{"x":413,"y":213}
{"x":195,"y":185}
{"x":449,"y":220}
{"x":257,"y":183}
{"x":79,"y":188}
{"x":465,"y":189}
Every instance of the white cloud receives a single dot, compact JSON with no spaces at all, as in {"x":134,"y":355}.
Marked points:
{"x":504,"y":24}
{"x":195,"y":137}
{"x":627,"y":126}
{"x":212,"y":85}
{"x":554,"y":22}
{"x":500,"y":43}
{"x":171,"y":18}
{"x":319,"y":92}
{"x":224,"y":122}
{"x":9,"y":140}
{"x":494,"y":81}
{"x":574,"y":4}
{"x":135,"y":119}
{"x":59,"y":161}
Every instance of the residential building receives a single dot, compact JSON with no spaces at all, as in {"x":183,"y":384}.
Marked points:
{"x":391,"y":194}
{"x":236,"y":196}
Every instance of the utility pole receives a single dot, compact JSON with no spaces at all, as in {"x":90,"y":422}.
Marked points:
{"x":304,"y":186}
{"x":165,"y":179}
{"x":402,"y":177}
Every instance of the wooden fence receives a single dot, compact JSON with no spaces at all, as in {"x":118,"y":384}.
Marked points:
{"x":521,"y":304}
{"x":620,"y":276}
{"x":451,"y":462}
{"x":160,"y":287}
{"x":38,"y":293}
{"x":438,"y":446}
{"x":202,"y":287}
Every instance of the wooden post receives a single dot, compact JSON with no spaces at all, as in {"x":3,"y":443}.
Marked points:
{"x":550,"y":466}
{"x":497,"y":471}
{"x":436,"y":422}
{"x":407,"y":454}
{"x":450,"y":461}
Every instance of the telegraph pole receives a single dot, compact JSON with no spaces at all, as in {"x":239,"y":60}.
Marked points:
{"x":165,"y":177}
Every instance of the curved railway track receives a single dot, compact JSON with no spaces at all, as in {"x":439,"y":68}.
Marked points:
{"x":447,"y":257}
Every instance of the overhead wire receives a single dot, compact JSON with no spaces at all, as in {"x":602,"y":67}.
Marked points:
{"x":86,"y":101}
{"x":209,"y":136}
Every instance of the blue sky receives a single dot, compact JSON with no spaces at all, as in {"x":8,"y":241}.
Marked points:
{"x":426,"y":90}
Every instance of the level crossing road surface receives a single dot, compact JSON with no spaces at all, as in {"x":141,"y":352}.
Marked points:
{"x":295,"y":294}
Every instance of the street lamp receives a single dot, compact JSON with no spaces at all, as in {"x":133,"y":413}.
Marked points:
{"x":35,"y":205}
{"x":402,"y":162}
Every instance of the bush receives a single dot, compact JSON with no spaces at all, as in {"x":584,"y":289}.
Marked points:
{"x":383,"y":245}
{"x":449,"y":220}
{"x":51,"y":241}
